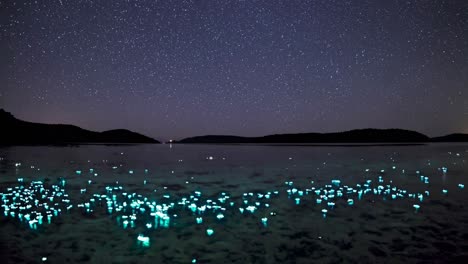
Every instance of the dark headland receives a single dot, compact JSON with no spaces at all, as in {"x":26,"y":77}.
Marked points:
{"x":457,"y":137}
{"x":369,"y":135}
{"x":18,"y":132}
{"x":14,"y":131}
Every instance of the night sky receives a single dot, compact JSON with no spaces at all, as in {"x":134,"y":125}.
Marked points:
{"x":172,"y":69}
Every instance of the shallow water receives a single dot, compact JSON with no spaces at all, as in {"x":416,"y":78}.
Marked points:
{"x":259,"y":201}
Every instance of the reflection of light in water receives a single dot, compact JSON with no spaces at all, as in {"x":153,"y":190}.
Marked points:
{"x":143,"y":240}
{"x":324,"y":212}
{"x":37,"y":202}
{"x":444,"y":173}
{"x":220,"y":216}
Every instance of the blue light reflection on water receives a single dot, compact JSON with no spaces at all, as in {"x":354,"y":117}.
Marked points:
{"x":153,"y":187}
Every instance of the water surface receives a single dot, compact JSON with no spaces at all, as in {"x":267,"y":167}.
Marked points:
{"x":383,"y":204}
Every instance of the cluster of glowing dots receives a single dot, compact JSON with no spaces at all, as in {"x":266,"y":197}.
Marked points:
{"x":129,"y":208}
{"x":38,"y":202}
{"x":331,"y":194}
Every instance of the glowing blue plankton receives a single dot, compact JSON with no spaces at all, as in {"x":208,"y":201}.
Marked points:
{"x":324,"y":213}
{"x":336,"y":182}
{"x":130,"y":210}
{"x":31,"y":204}
{"x":143,"y":240}
{"x":209,"y":232}
{"x":220,"y":216}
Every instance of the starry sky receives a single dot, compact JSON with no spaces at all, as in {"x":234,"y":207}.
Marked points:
{"x":172,"y":69}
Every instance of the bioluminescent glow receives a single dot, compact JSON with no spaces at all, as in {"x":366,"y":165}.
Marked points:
{"x":220,"y":216}
{"x":143,"y":240}
{"x":324,"y":213}
{"x":209,"y":232}
{"x":36,"y":203}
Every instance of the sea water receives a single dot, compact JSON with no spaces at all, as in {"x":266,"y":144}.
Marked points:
{"x":233,"y":203}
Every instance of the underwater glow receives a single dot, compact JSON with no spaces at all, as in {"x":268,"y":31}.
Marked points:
{"x":129,"y":206}
{"x":209,"y":232}
{"x":36,"y":203}
{"x":143,"y":240}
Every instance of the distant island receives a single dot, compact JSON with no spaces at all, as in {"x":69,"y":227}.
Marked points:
{"x":14,"y":131}
{"x":369,"y":135}
{"x":352,"y":136}
{"x":457,"y":137}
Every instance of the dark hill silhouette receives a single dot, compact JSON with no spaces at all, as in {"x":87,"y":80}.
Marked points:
{"x":15,"y":131}
{"x":353,"y":136}
{"x":457,"y":137}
